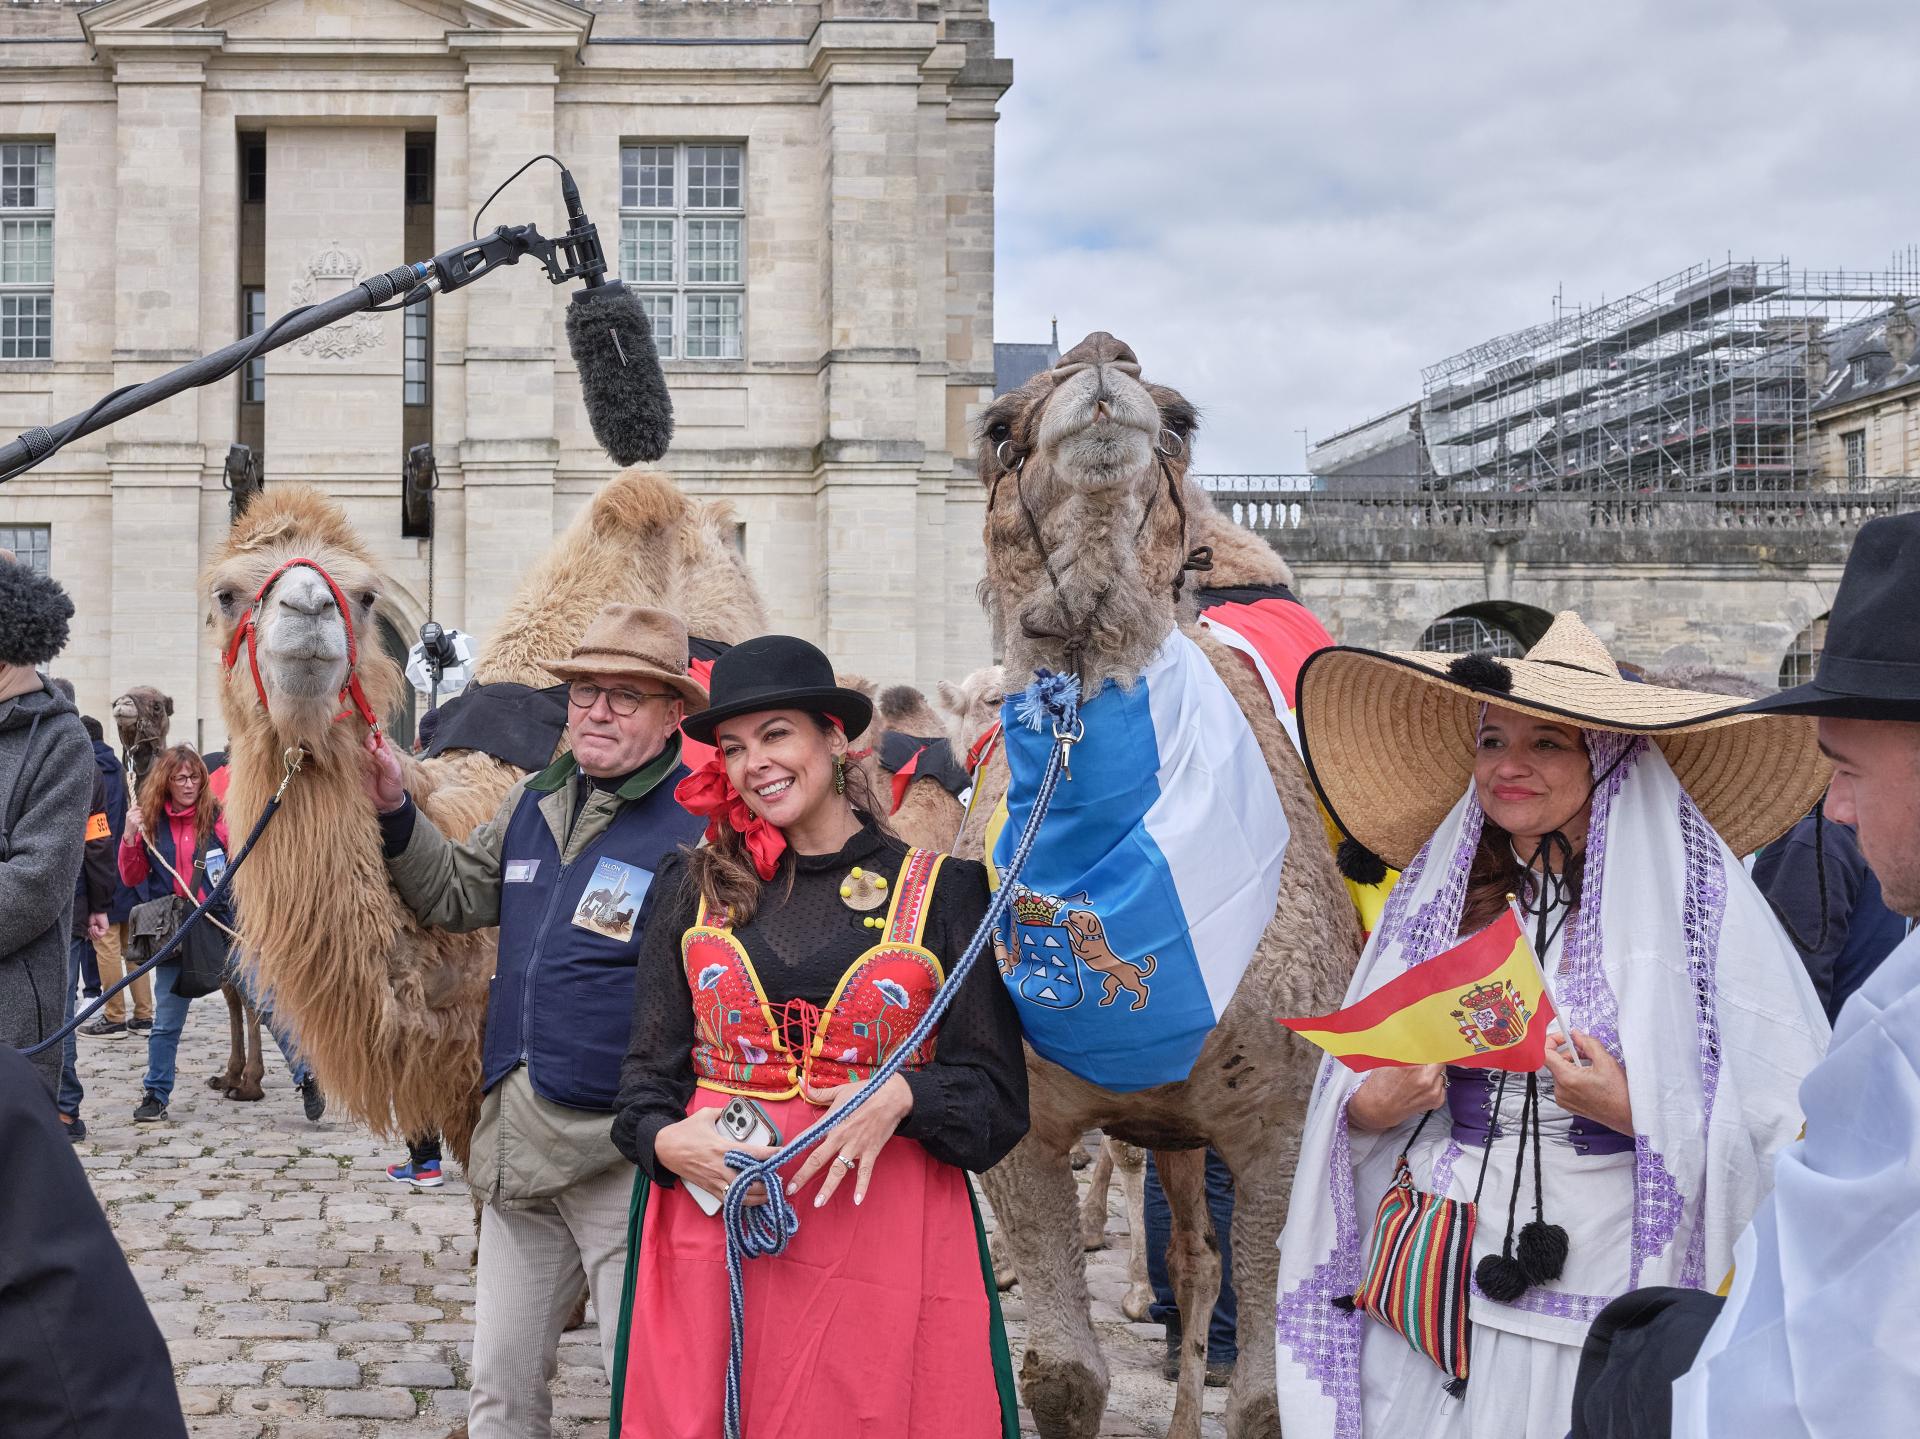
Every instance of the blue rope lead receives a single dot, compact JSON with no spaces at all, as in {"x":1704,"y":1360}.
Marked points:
{"x":753,"y":1231}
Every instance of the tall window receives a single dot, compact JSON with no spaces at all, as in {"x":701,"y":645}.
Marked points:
{"x":253,"y":319}
{"x":417,"y":359}
{"x":1803,"y":658}
{"x":1856,"y":445}
{"x":1466,"y":634}
{"x":26,"y":250}
{"x":682,"y":245}
{"x":32,"y":545}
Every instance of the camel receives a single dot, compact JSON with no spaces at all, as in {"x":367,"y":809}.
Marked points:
{"x":141,"y":716}
{"x":391,"y":1015}
{"x":929,"y":813}
{"x":1091,"y":526}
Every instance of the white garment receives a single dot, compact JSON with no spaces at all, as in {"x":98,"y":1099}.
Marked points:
{"x":1675,"y":961}
{"x":1820,"y":1337}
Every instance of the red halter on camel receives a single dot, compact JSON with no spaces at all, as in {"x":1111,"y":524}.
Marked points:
{"x":353,"y":698}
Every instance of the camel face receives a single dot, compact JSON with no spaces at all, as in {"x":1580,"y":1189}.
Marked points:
{"x":140,"y":715}
{"x":972,"y":707}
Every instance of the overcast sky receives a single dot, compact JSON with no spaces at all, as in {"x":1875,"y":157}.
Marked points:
{"x":1289,"y":206}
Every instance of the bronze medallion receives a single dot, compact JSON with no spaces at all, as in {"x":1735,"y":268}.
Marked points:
{"x":863,"y":891}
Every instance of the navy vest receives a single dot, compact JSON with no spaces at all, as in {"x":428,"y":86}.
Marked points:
{"x":561,"y":1001}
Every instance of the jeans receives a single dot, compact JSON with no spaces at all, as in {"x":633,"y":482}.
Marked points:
{"x":1223,"y":1344}
{"x":297,"y":1064}
{"x":71,"y":1093}
{"x":163,"y":1040}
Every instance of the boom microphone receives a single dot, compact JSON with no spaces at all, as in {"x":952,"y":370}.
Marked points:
{"x":611,"y":340}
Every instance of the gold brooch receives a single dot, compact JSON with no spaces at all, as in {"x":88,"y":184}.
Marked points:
{"x":863,"y":891}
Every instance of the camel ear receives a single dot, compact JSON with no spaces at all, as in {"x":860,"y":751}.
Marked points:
{"x":169,"y":700}
{"x":950,"y":698}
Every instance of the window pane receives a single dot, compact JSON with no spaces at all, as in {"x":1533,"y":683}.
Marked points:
{"x":26,"y":177}
{"x":646,"y":251}
{"x":26,"y":252}
{"x":26,"y":327}
{"x":713,"y":327}
{"x":713,"y":252}
{"x":253,"y":384}
{"x":646,"y":177}
{"x":416,"y":356}
{"x":32,"y":545}
{"x":659,"y":310}
{"x":713,"y":177}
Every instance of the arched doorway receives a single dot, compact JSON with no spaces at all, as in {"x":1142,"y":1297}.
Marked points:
{"x":1803,"y":655}
{"x":1500,"y":627}
{"x":400,"y":720}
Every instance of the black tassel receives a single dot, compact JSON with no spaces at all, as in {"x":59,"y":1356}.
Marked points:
{"x":1456,"y":1388}
{"x":1541,"y":1251}
{"x":1344,"y":1303}
{"x":1358,"y":863}
{"x":1501,"y":1278}
{"x":1481,"y":671}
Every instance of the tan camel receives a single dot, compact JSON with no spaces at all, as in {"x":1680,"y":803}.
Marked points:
{"x":391,"y":1014}
{"x":929,"y":814}
{"x":1091,"y":522}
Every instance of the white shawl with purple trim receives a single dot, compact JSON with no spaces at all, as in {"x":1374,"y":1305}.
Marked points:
{"x":1675,"y":962}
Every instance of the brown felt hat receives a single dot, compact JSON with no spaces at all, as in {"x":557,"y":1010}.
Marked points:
{"x":1389,"y":736}
{"x":633,"y":643}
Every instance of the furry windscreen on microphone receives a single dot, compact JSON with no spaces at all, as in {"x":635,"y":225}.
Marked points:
{"x":620,"y":378}
{"x":34,"y":615}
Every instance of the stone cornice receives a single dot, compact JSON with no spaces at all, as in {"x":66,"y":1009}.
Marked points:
{"x":547,"y":27}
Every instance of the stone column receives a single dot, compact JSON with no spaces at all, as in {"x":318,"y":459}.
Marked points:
{"x":155,"y":458}
{"x":869,"y":470}
{"x":335,"y":213}
{"x":508,"y":453}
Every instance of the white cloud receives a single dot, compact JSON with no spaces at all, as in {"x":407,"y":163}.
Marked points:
{"x":1288,"y":208}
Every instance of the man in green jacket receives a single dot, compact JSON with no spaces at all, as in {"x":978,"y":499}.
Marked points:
{"x":565,"y":869}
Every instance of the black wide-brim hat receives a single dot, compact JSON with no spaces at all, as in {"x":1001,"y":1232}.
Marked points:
{"x":1870,"y":663}
{"x":776,"y":672}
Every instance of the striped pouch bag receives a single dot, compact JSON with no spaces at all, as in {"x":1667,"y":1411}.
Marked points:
{"x":1419,"y":1262}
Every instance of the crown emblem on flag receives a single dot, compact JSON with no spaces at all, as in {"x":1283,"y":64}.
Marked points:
{"x":1492,"y":1016}
{"x":1037,"y":909}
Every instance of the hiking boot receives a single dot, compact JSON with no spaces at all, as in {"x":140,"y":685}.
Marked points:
{"x":311,"y":1099}
{"x":139,"y":1026}
{"x":1170,"y":1361}
{"x":1219,"y":1373}
{"x":425,"y":1175}
{"x":150,"y":1109}
{"x":104,"y":1028}
{"x":75,"y":1126}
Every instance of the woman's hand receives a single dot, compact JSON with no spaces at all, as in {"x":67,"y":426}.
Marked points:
{"x":696,"y":1150}
{"x":857,"y":1143}
{"x":1598,"y":1091}
{"x":1391,"y":1096}
{"x":382,"y":777}
{"x":136,"y":825}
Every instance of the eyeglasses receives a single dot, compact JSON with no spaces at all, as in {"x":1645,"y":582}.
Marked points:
{"x":582,"y":696}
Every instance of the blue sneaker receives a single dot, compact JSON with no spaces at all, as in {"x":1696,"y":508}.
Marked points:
{"x":420,"y":1176}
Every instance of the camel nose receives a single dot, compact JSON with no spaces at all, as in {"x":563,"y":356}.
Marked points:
{"x":306,"y":602}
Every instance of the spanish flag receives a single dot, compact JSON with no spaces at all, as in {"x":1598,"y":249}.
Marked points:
{"x":1482,"y":1005}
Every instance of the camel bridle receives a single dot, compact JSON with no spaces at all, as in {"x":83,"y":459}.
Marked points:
{"x":353,"y":698}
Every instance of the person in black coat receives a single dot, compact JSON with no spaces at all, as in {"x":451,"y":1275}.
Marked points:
{"x":80,"y":1354}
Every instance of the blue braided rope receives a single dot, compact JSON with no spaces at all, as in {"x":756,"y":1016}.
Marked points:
{"x":753,"y":1231}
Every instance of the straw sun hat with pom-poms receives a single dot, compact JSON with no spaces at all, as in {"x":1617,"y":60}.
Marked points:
{"x":1389,"y":736}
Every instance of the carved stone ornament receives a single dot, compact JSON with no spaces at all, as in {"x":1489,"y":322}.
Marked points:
{"x":327,"y":274}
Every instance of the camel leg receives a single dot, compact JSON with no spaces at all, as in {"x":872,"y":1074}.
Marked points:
{"x":1093,"y":1204}
{"x":256,"y":1061}
{"x":1262,"y":1162}
{"x":229,"y":1079}
{"x":1131,"y":1162}
{"x":1063,"y":1375}
{"x":1000,"y":1254}
{"x":1193,"y":1266}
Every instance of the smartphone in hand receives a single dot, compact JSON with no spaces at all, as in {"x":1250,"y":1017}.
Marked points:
{"x":743,"y":1122}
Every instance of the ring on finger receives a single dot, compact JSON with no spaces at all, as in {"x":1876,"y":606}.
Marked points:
{"x":849,"y":1162}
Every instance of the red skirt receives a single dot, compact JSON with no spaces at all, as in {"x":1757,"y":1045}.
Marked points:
{"x":878,"y":1322}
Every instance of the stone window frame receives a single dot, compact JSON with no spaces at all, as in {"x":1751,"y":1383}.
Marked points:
{"x":709,"y":312}
{"x":38,"y":293}
{"x":32,"y":545}
{"x":1853,"y":450}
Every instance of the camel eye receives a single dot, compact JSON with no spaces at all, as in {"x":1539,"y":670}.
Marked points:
{"x":998,"y":430}
{"x":224,"y":599}
{"x":367,"y":597}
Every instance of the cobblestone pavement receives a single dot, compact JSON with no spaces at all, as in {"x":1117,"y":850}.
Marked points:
{"x":306,"y":1296}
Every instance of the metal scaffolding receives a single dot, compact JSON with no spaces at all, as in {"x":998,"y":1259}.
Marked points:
{"x":1703,"y":381}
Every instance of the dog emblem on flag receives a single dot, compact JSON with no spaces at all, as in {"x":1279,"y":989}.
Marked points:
{"x":1492,"y":1016}
{"x":1054,"y":939}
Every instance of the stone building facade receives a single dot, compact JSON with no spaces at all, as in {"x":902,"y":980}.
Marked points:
{"x":803,"y":192}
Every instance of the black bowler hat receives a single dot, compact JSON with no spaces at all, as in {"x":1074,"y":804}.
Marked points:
{"x":1870,"y":664}
{"x":776,"y":672}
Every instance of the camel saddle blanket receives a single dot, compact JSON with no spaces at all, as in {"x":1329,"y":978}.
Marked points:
{"x":1155,"y":873}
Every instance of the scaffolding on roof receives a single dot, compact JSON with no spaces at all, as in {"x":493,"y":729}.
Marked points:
{"x":1702,"y":381}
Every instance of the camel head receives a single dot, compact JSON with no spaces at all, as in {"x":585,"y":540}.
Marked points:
{"x":300,"y":634}
{"x":972,"y":707}
{"x":1088,"y":530}
{"x":141,"y":715}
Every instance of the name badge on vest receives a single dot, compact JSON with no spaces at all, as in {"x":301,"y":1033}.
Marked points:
{"x":520,"y":871}
{"x":611,"y":904}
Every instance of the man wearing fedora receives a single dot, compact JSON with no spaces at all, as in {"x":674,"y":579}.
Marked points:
{"x":1816,"y":1337}
{"x":565,"y":868}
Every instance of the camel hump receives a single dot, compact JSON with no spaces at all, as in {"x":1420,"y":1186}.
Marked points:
{"x":636,"y":502}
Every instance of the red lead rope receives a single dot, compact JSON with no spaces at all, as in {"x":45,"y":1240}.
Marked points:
{"x":353,"y":699}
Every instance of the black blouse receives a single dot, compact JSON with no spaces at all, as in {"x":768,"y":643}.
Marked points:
{"x":969,"y":1104}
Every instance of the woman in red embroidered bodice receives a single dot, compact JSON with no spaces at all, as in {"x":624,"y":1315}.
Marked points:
{"x":784,"y":961}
